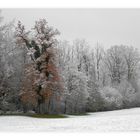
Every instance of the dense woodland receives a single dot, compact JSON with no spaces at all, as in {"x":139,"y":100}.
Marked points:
{"x":43,"y":75}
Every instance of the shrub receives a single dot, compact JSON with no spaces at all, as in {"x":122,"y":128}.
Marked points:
{"x":112,"y":98}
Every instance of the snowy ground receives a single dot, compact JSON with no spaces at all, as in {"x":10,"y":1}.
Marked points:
{"x":121,"y":120}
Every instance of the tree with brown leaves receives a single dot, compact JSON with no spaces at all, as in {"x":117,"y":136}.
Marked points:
{"x":41,"y":85}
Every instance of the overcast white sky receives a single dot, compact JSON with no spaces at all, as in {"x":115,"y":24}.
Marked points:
{"x":107,"y":26}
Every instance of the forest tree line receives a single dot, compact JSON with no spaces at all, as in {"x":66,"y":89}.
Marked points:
{"x":41,"y":74}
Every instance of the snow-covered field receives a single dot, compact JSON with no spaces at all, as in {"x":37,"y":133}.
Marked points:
{"x":121,"y":120}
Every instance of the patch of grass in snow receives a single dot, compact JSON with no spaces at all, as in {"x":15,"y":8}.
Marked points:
{"x":36,"y":115}
{"x":51,"y":116}
{"x":79,"y":114}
